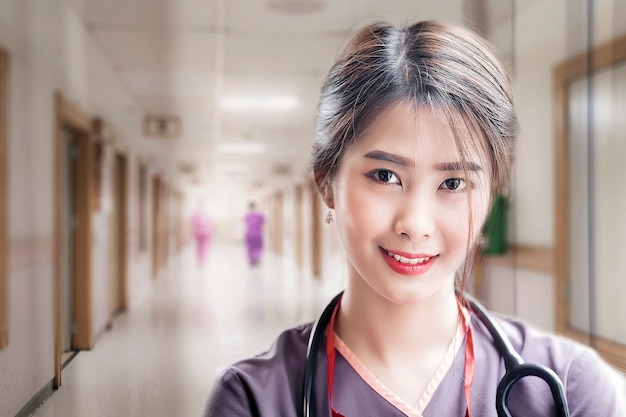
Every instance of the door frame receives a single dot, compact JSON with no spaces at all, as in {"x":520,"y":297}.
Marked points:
{"x":120,"y":300}
{"x":316,"y":229}
{"x":600,"y":57}
{"x":299,"y":218}
{"x":68,"y":115}
{"x":142,"y":205}
{"x":156,"y":213}
{"x":4,"y":198}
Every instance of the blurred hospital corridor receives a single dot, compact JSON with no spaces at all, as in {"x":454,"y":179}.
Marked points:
{"x":160,"y":358}
{"x":159,"y":214}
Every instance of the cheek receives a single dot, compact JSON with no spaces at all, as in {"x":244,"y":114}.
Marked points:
{"x":454,"y":219}
{"x":360,"y":212}
{"x":351,"y":213}
{"x":454,"y":222}
{"x":353,"y":206}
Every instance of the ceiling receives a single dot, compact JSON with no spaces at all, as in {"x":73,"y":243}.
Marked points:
{"x":181,"y":57}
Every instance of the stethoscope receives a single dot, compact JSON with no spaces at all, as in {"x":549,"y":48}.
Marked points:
{"x":516,"y":368}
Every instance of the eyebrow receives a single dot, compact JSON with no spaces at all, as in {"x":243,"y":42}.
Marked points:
{"x":402,"y":161}
{"x":458,"y":166}
{"x":389,"y":157}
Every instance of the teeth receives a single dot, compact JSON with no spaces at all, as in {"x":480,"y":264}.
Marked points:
{"x":410,"y":261}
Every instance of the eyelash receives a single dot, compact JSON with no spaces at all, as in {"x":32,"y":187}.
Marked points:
{"x":461,"y":187}
{"x":374,"y":175}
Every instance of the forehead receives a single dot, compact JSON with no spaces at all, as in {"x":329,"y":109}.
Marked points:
{"x":415,"y":131}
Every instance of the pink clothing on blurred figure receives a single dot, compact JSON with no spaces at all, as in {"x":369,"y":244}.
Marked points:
{"x":254,"y":235}
{"x":202,"y":233}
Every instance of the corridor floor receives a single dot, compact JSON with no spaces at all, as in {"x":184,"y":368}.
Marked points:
{"x":161,"y":357}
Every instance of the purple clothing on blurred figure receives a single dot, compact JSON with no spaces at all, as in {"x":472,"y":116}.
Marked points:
{"x":202,"y":232}
{"x":254,"y":236}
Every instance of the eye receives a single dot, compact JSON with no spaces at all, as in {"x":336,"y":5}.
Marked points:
{"x":384,"y":176}
{"x":453,"y":184}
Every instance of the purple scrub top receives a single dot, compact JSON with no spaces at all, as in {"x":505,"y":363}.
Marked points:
{"x":270,"y":385}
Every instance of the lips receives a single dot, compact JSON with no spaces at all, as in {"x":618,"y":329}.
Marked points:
{"x":409,"y":260}
{"x":406,"y":263}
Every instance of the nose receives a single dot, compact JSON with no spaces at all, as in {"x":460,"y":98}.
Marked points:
{"x":415,"y":217}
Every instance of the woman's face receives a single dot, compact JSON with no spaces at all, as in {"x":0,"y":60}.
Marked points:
{"x":402,"y":204}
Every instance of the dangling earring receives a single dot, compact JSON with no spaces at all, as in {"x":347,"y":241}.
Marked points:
{"x":329,"y":217}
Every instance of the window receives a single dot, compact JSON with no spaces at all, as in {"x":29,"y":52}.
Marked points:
{"x":590,"y":201}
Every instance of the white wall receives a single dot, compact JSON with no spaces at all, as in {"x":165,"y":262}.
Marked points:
{"x":521,"y":293}
{"x":30,"y":31}
{"x":50,"y":50}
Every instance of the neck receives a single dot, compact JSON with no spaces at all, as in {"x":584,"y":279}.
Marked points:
{"x":379,"y":330}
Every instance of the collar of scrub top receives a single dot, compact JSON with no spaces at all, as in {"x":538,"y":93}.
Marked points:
{"x":470,"y":363}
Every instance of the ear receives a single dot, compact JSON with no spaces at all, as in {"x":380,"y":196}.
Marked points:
{"x":328,"y":195}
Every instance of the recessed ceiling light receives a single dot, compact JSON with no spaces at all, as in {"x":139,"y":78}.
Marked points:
{"x":241,"y":147}
{"x":258,"y":102}
{"x":162,"y":126}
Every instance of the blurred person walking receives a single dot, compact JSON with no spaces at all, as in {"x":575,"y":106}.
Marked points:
{"x":202,"y":233}
{"x":254,"y":221}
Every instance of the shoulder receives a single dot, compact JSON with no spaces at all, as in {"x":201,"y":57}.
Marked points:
{"x":554,"y":351}
{"x":272,"y":378}
{"x":533,"y":344}
{"x":287,"y":351}
{"x":592,"y":386}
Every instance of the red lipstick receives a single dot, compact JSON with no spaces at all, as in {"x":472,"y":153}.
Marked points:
{"x":403,"y":266}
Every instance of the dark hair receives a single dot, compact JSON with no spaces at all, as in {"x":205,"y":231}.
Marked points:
{"x":429,"y":63}
{"x":447,"y":69}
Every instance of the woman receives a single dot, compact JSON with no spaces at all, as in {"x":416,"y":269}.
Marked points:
{"x":415,"y":136}
{"x":202,"y":233}
{"x":254,"y":234}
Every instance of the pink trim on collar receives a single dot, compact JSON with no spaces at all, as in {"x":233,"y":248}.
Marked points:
{"x":388,"y":395}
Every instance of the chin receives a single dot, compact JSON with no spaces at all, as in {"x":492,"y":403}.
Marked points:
{"x":417,"y":292}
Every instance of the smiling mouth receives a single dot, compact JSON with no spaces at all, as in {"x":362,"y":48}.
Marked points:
{"x":408,"y":261}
